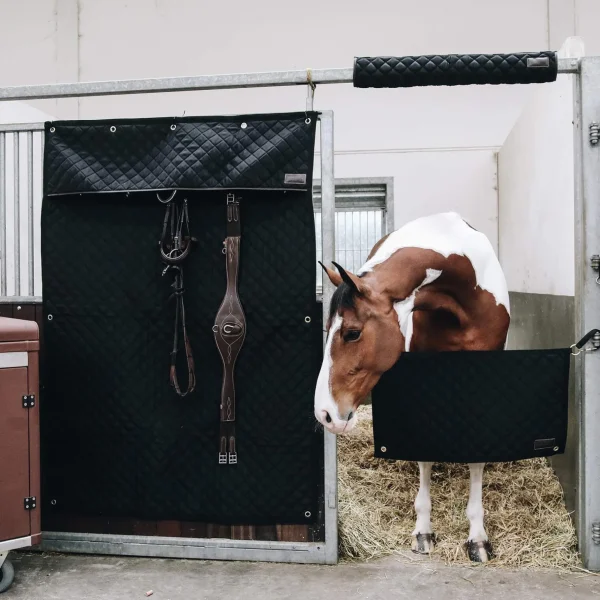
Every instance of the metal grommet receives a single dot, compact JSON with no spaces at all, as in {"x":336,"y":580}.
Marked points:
{"x":50,"y":317}
{"x":555,"y":448}
{"x":215,"y":328}
{"x":112,"y":128}
{"x":307,"y":120}
{"x":307,"y":319}
{"x":53,"y":502}
{"x":244,"y":125}
{"x":52,"y":129}
{"x":224,"y":250}
{"x":308,"y":514}
{"x":173,"y":127}
{"x":383,"y":449}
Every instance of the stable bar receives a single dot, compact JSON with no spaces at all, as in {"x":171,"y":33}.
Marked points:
{"x":198,"y":83}
{"x":2,"y":214}
{"x":328,"y":246}
{"x":30,"y":259}
{"x":17,"y":216}
{"x":11,"y":127}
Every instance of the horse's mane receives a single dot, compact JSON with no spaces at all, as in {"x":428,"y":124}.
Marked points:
{"x":343,"y":297}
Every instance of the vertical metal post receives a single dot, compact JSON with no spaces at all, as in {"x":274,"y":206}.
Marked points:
{"x":2,"y":214}
{"x":17,"y":215}
{"x":328,"y":245}
{"x":30,"y":256}
{"x":587,"y":222}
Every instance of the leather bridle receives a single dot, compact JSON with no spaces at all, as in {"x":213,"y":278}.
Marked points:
{"x":175,"y":246}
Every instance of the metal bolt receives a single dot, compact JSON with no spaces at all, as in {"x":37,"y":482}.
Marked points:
{"x":383,"y":449}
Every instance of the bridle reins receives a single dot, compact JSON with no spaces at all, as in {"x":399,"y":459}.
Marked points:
{"x":175,"y":246}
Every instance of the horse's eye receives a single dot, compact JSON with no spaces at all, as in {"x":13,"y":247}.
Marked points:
{"x":352,"y":335}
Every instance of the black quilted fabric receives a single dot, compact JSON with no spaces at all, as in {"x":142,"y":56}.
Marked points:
{"x":240,"y":152}
{"x":116,"y":439}
{"x":473,"y":406}
{"x":454,"y":69}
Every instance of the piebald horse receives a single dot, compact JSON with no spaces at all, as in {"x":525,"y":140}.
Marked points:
{"x":435,"y":284}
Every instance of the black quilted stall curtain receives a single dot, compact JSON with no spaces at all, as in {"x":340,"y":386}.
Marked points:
{"x":117,"y":440}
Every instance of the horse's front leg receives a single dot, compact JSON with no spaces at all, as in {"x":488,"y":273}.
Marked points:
{"x":423,"y":537}
{"x":478,"y":546}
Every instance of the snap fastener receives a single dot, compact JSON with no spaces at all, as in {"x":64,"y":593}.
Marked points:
{"x":244,"y":125}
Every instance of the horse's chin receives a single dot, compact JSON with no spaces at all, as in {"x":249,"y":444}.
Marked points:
{"x":343,"y":428}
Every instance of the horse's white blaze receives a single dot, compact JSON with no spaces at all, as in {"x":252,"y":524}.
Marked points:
{"x":405,"y":307}
{"x":446,"y":234}
{"x":475,"y":512}
{"x":324,"y":402}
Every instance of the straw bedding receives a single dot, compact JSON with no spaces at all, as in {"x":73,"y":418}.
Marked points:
{"x":526,"y":518}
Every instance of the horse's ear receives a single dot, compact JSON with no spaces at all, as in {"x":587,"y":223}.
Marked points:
{"x":351,"y":279}
{"x":333,"y":276}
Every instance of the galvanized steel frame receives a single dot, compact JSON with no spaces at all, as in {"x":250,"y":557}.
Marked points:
{"x":587,"y":304}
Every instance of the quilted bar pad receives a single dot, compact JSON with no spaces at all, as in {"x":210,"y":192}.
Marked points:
{"x":473,"y":406}
{"x":454,"y":69}
{"x":239,"y":152}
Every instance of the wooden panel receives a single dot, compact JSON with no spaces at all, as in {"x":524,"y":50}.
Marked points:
{"x":6,"y":310}
{"x":14,"y":448}
{"x":169,"y":528}
{"x":243,"y":532}
{"x":292,"y":533}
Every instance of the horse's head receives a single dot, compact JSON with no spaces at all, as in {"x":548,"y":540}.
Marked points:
{"x":363,"y":341}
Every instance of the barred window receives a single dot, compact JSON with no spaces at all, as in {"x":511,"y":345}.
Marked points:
{"x":363,"y":215}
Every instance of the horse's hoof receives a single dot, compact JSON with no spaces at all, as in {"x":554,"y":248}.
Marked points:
{"x":479,"y":551}
{"x":423,"y":543}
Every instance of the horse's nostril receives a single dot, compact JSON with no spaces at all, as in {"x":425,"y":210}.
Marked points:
{"x":327,"y":417}
{"x":350,"y":415}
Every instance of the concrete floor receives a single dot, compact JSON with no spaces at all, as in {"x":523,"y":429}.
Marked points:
{"x":60,"y":577}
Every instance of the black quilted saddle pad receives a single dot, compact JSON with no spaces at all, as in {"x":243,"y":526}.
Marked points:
{"x":473,"y":406}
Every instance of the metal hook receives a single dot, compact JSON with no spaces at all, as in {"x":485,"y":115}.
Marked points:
{"x":168,"y":199}
{"x":310,"y":94}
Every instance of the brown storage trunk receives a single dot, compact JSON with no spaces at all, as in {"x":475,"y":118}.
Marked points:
{"x":19,"y":432}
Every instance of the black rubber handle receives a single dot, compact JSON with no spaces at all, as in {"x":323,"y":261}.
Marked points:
{"x":455,"y":69}
{"x":586,"y":338}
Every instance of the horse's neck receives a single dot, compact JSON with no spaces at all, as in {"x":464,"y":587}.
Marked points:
{"x":405,"y":272}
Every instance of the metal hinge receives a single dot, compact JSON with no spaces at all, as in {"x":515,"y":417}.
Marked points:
{"x":594,"y":133}
{"x":29,"y":503}
{"x":596,"y":532}
{"x":29,"y":401}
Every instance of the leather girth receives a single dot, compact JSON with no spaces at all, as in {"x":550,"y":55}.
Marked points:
{"x":230,"y":332}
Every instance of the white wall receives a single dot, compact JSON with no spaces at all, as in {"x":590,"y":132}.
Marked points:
{"x":536,"y":195}
{"x":433,"y":181}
